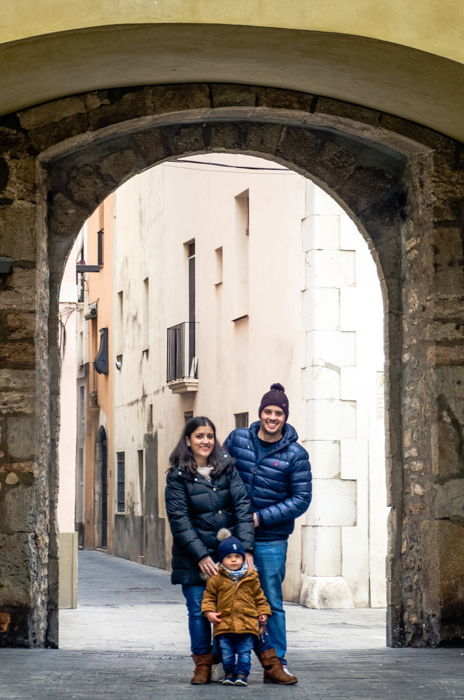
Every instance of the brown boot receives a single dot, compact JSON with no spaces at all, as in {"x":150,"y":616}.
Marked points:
{"x":273,"y":669}
{"x":203,"y":663}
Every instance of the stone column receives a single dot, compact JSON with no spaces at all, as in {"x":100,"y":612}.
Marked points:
{"x":329,"y":418}
{"x":432,"y":547}
{"x":24,"y":402}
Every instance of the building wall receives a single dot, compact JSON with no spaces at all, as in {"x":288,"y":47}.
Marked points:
{"x":304,"y":313}
{"x":98,"y":387}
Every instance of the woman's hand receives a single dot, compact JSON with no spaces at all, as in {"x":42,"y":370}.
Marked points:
{"x":262,"y":619}
{"x":214,"y":617}
{"x":207,"y":566}
{"x":249,"y":560}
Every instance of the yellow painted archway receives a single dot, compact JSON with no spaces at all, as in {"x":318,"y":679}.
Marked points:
{"x":398,"y":56}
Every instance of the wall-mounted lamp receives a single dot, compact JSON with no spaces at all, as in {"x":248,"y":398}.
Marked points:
{"x":6,"y":265}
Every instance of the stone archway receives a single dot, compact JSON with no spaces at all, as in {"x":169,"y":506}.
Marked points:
{"x":402,"y":184}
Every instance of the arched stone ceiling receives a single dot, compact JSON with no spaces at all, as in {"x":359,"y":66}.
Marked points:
{"x":404,"y":80}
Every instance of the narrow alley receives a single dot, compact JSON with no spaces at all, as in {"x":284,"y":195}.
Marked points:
{"x":128,"y":638}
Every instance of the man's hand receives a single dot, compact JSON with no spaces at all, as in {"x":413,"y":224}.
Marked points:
{"x":213,"y":617}
{"x":256,"y":519}
{"x":207,"y":566}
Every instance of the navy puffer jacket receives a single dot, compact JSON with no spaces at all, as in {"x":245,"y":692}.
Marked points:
{"x":197,"y":508}
{"x":279,"y":483}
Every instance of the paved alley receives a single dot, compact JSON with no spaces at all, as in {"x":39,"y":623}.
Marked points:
{"x":128,"y":638}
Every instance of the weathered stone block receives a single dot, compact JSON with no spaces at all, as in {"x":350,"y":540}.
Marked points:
{"x":223,"y":95}
{"x":15,"y":325}
{"x":443,"y":587}
{"x":176,"y":98}
{"x":17,"y":238}
{"x":262,"y":139}
{"x":283,"y":99}
{"x":325,"y":592}
{"x":16,"y":565}
{"x":330,"y":348}
{"x":321,"y":232}
{"x":330,"y":419}
{"x":16,"y":354}
{"x":189,"y":139}
{"x":20,"y":292}
{"x":15,"y":401}
{"x":353,"y":458}
{"x":330,"y":268}
{"x":16,"y":379}
{"x":20,"y":437}
{"x":321,"y":551}
{"x":334,"y":503}
{"x":51,"y":112}
{"x":321,"y":309}
{"x":154,"y":145}
{"x":321,"y":382}
{"x":16,"y":508}
{"x":325,"y":458}
{"x":449,"y":500}
{"x":119,"y":166}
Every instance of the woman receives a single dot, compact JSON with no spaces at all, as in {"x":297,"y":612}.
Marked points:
{"x":204,"y":493}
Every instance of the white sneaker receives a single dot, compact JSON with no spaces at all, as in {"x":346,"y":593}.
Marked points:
{"x":217,"y":673}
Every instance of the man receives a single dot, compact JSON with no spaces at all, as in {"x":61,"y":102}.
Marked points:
{"x":277,"y":474}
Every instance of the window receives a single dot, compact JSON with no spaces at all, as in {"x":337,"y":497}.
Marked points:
{"x":146,"y":313}
{"x":219,"y":266}
{"x":240,"y":256}
{"x":241,"y":420}
{"x":121,"y":484}
{"x":120,"y":320}
{"x":100,"y":247}
{"x":141,"y":479}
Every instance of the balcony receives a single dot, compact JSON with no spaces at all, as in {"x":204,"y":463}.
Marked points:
{"x":182,"y":365}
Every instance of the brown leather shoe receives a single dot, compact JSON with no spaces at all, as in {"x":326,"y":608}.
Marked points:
{"x":202,"y":674}
{"x":273,"y":669}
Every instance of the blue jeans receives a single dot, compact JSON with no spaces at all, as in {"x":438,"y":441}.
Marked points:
{"x":236,"y":653}
{"x":199,"y":627}
{"x":270,"y":558}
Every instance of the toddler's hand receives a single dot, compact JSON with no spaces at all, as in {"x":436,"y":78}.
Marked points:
{"x":214,"y":617}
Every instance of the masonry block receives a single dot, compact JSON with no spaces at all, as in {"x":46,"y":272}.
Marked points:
{"x":334,"y":503}
{"x":330,"y":268}
{"x":325,"y":458}
{"x":325,"y":592}
{"x":350,"y":383}
{"x":321,"y":232}
{"x":331,"y":347}
{"x":321,"y":382}
{"x":353,"y":458}
{"x":349,"y":309}
{"x":319,"y":202}
{"x":321,"y":309}
{"x":321,"y":551}
{"x":330,"y":419}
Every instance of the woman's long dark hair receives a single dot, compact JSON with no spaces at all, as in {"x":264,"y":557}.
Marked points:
{"x":182,"y":455}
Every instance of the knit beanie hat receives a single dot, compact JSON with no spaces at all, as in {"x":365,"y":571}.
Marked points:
{"x":276,"y":396}
{"x":229,"y":544}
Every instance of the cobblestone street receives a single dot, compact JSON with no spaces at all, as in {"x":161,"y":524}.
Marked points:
{"x":128,"y":638}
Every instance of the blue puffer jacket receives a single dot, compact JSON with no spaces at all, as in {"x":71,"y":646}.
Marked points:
{"x":279,"y":484}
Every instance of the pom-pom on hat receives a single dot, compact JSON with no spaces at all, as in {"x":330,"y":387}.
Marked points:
{"x":276,"y":396}
{"x":228,"y":544}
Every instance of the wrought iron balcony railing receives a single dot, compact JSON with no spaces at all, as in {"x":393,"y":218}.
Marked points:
{"x":181,"y":358}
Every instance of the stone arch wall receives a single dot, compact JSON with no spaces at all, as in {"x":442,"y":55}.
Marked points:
{"x":401,"y":183}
